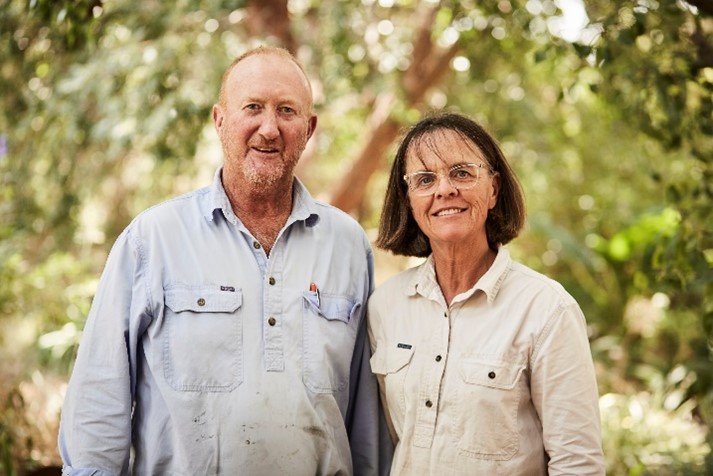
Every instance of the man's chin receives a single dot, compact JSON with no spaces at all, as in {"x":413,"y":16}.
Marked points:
{"x":265,"y":178}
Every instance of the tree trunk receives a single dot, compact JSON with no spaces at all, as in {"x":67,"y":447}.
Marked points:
{"x":428,"y":66}
{"x":267,"y":18}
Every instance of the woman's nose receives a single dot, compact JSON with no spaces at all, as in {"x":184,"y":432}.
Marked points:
{"x":444,"y":186}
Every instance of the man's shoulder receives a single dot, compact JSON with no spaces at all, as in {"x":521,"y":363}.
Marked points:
{"x":336,"y":217}
{"x":178,"y":208}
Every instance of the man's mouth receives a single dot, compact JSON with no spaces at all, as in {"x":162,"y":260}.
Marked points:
{"x":266,"y":150}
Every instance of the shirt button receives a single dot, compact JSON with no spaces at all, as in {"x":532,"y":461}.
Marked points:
{"x":491,"y":374}
{"x":429,"y":404}
{"x":201,"y":302}
{"x":438,"y":358}
{"x":256,"y":245}
{"x":271,"y":281}
{"x":271,"y":321}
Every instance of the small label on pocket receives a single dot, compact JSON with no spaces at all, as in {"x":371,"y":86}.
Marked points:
{"x":403,"y":346}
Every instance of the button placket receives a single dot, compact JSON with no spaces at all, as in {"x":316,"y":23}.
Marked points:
{"x":273,"y":327}
{"x":431,"y":381}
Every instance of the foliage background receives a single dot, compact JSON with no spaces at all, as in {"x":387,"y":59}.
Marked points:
{"x":606,"y":115}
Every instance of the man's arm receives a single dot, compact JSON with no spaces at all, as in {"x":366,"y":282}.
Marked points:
{"x":371,"y":445}
{"x":95,"y":428}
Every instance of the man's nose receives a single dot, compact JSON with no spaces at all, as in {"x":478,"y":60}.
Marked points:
{"x":268,"y":125}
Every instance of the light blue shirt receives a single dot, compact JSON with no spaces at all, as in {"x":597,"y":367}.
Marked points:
{"x":201,"y":355}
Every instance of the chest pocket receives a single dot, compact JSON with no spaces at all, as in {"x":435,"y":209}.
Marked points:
{"x":489,"y":395}
{"x":329,"y":332}
{"x":390,"y":363}
{"x":202,"y":349}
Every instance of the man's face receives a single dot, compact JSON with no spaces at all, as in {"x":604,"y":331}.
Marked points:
{"x":265,"y":121}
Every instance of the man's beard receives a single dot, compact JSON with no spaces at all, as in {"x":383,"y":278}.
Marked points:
{"x":267,"y":177}
{"x":263,"y":177}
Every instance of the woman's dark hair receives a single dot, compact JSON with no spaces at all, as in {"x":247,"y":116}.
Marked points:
{"x":398,"y":231}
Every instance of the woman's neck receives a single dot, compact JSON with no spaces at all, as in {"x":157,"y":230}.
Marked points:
{"x":458,"y":268}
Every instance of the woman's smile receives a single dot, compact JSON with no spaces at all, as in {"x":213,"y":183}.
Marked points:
{"x":448,"y":211}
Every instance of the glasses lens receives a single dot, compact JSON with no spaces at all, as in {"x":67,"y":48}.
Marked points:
{"x":422,"y":183}
{"x":461,"y":176}
{"x":464,"y":176}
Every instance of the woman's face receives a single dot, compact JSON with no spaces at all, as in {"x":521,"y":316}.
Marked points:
{"x":450,"y":216}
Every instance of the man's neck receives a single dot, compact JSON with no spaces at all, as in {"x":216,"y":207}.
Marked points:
{"x":263,"y":211}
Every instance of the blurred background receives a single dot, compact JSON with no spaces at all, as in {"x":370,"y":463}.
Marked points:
{"x":605,"y":111}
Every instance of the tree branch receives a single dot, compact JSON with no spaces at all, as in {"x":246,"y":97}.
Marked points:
{"x":428,"y":66}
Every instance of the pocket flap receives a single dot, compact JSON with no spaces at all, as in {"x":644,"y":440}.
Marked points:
{"x":332,"y":308}
{"x":203,"y":299}
{"x":491,"y":373}
{"x":390,"y":360}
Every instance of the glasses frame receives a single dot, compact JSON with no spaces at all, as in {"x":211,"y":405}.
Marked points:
{"x":440,"y":175}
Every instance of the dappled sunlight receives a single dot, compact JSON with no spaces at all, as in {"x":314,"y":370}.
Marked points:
{"x":602,"y":108}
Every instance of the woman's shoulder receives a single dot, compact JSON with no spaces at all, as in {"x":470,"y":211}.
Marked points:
{"x":524,"y":277}
{"x":396,"y":285}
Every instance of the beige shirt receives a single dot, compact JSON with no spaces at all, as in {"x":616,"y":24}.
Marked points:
{"x":501,"y":382}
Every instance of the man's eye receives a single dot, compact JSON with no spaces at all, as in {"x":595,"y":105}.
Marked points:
{"x":252,"y":107}
{"x":288,"y":110}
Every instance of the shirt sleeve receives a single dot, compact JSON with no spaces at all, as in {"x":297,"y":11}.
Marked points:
{"x":371,"y":446}
{"x":95,"y":426}
{"x":564,"y":392}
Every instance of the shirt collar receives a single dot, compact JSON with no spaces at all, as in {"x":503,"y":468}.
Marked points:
{"x":424,"y":281}
{"x":304,"y":207}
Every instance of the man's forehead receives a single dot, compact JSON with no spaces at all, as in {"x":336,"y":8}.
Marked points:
{"x":269,"y":62}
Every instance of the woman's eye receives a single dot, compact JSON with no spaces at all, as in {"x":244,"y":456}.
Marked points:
{"x":462,"y":173}
{"x":424,"y":180}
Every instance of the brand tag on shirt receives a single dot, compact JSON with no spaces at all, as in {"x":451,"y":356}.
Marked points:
{"x":403,"y":346}
{"x":227,"y":288}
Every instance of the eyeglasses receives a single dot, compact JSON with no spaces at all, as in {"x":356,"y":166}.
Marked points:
{"x":461,"y":177}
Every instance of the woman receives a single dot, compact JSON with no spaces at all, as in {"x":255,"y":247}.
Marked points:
{"x":483,"y":364}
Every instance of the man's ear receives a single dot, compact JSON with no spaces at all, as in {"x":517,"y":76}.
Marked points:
{"x":217,"y":117}
{"x":312,"y":125}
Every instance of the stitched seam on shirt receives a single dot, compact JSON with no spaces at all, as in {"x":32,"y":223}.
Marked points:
{"x":549,"y":325}
{"x":142,"y":259}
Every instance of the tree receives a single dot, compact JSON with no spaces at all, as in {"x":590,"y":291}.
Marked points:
{"x":106,"y":110}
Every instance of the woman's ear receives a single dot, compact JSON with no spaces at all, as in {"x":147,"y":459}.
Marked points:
{"x":495,"y":184}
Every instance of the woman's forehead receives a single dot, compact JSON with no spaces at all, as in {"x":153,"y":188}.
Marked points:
{"x":442,"y":147}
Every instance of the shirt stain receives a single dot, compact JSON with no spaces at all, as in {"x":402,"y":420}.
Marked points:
{"x":199,"y":419}
{"x":314,"y":431}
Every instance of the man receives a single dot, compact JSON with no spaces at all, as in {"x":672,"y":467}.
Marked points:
{"x":227,"y":335}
